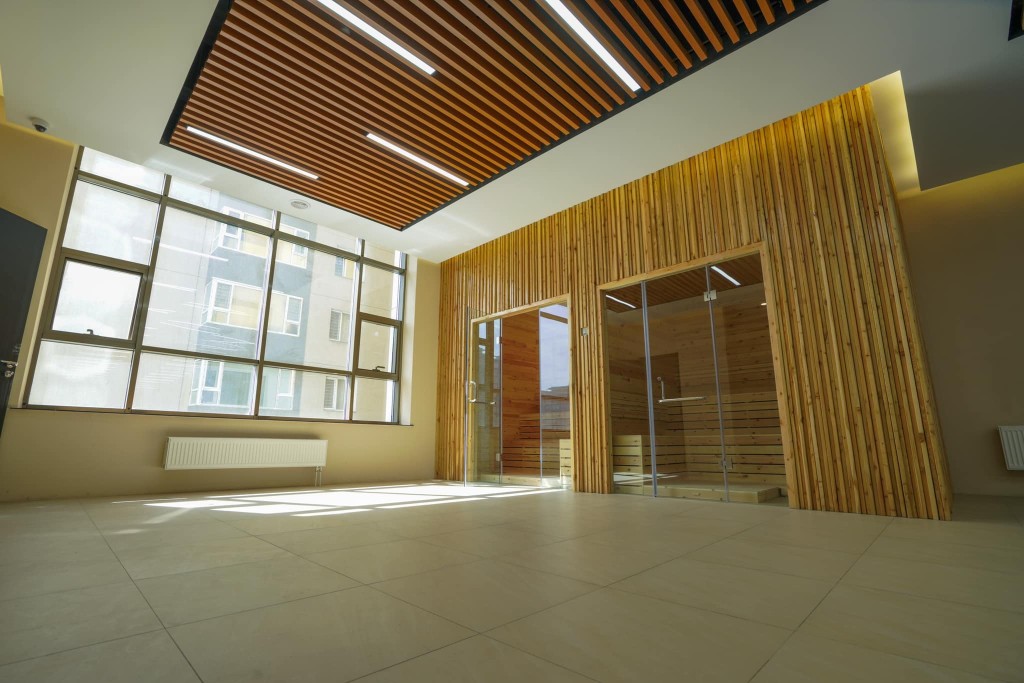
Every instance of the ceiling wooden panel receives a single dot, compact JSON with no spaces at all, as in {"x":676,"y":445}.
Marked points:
{"x":291,"y":80}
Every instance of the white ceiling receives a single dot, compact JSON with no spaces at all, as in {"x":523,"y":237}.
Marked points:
{"x":106,"y":74}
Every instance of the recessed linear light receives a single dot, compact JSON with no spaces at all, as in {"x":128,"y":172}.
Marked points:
{"x":419,"y":160}
{"x":369,"y":30}
{"x":726,"y":275}
{"x":624,"y":303}
{"x":251,"y":152}
{"x":594,"y":43}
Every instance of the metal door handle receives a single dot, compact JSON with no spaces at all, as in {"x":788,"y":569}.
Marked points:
{"x":9,"y":366}
{"x":486,"y":403}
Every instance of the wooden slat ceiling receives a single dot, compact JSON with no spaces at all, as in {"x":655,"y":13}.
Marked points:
{"x":289,"y":79}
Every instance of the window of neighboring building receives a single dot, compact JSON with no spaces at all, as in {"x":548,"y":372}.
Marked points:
{"x":164,"y":299}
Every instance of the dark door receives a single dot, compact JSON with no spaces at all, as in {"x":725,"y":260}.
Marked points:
{"x":21,"y":246}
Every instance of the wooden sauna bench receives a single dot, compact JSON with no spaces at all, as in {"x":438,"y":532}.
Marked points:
{"x":689,"y":448}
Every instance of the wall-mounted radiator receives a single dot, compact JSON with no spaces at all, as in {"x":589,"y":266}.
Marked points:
{"x":201,"y":453}
{"x":1013,"y":446}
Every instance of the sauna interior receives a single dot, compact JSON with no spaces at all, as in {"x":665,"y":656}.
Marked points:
{"x":694,"y":411}
{"x":518,"y":399}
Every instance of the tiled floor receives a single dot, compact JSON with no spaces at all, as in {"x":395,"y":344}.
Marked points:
{"x":428,"y":582}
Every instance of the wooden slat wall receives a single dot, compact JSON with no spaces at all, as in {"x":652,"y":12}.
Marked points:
{"x":815,"y":192}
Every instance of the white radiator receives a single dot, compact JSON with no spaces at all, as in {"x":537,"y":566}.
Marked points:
{"x":1013,"y":446}
{"x":201,"y":453}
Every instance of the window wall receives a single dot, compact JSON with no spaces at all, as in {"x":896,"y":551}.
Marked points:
{"x":172,"y":297}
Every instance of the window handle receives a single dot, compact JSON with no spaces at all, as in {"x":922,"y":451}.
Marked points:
{"x":379,"y":368}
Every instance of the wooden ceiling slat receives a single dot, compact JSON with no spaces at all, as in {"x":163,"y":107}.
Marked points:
{"x":251,"y":80}
{"x":537,"y":17}
{"x":290,"y":79}
{"x":766,"y":11}
{"x":611,"y":21}
{"x":411,"y":103}
{"x":684,"y":27}
{"x":748,"y":18}
{"x":482,"y":115}
{"x":496,"y":21}
{"x":474,"y":57}
{"x":665,"y":32}
{"x":530,"y":34}
{"x":636,"y":24}
{"x":303,"y":150}
{"x":498,"y":40}
{"x":705,"y":24}
{"x":485,"y":80}
{"x":387,"y":214}
{"x":363,"y":117}
{"x":726,"y":20}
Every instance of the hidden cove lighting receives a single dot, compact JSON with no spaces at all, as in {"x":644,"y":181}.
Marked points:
{"x":726,"y":275}
{"x":415,"y":159}
{"x":250,"y":152}
{"x":352,"y":20}
{"x":594,"y":44}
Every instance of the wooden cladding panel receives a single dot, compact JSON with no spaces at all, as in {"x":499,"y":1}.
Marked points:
{"x":289,"y":79}
{"x":813,"y":194}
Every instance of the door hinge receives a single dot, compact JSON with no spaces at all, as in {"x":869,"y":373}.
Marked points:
{"x":711,"y":295}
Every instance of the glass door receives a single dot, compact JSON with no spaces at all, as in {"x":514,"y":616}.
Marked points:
{"x":553,"y":359}
{"x":483,"y":402}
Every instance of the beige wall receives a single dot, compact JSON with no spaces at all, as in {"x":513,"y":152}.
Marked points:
{"x":58,"y":454}
{"x":966,"y":241}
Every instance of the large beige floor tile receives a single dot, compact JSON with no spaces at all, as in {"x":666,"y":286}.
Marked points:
{"x":336,"y":637}
{"x":489,"y":541}
{"x":38,"y":578}
{"x":740,"y":512}
{"x":191,"y":596}
{"x":823,"y":530}
{"x":967,"y":533}
{"x":150,"y":657}
{"x":39,"y":625}
{"x":109,"y":516}
{"x":975,"y":639}
{"x":652,"y":539}
{"x":609,"y":635}
{"x":331,"y":538}
{"x":994,"y":558}
{"x":981,"y":587}
{"x":767,"y":597}
{"x":807,"y":659}
{"x":595,"y":563}
{"x":476,"y":659}
{"x":484,"y":594}
{"x":160,"y":560}
{"x":54,"y":549}
{"x":152,"y":535}
{"x":810,"y":563}
{"x":385,"y":561}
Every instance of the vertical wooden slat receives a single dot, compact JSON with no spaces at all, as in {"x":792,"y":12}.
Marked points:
{"x":860,"y":429}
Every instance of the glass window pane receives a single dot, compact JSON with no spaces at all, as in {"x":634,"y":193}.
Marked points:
{"x":212,"y":199}
{"x":377,"y":347}
{"x":95,"y":300}
{"x":80,"y":376}
{"x":381,"y":293}
{"x":332,"y":237}
{"x":374,"y":400}
{"x":207,"y":294}
{"x":193,"y":385}
{"x":294,"y":393}
{"x":389,"y":256}
{"x":111,"y":223}
{"x":300,"y":317}
{"x":123,"y":171}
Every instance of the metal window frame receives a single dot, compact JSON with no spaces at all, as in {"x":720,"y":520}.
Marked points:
{"x":147,"y":271}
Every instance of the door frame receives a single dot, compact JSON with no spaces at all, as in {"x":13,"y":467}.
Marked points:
{"x":781,"y":389}
{"x":565,"y":299}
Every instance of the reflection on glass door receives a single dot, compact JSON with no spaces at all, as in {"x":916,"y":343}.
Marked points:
{"x":555,"y":464}
{"x":693,"y":408}
{"x":483,"y":402}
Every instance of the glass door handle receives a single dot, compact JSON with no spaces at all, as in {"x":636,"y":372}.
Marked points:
{"x":682,"y":398}
{"x":486,"y":403}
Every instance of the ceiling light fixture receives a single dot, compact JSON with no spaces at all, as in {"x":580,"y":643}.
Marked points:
{"x":624,"y":303}
{"x":595,"y":45}
{"x":369,"y":30}
{"x":251,"y":152}
{"x":300,"y":204}
{"x":726,"y":275}
{"x":419,"y":160}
